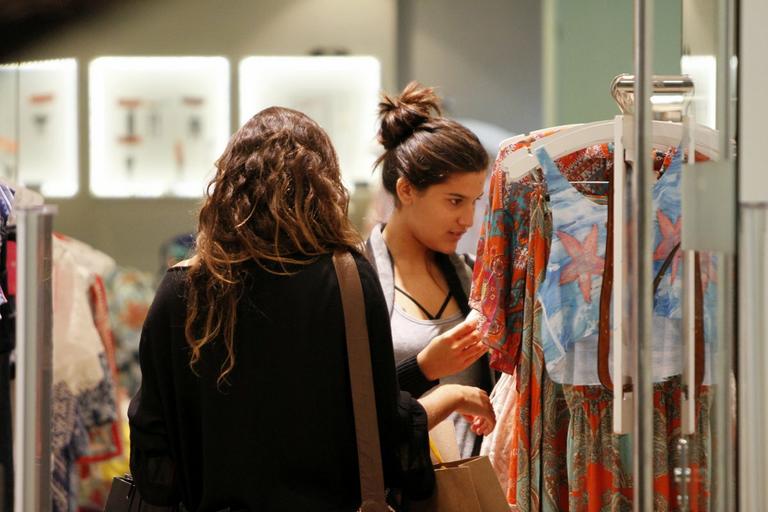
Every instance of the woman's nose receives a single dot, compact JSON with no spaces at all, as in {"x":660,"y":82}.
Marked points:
{"x":467,"y":216}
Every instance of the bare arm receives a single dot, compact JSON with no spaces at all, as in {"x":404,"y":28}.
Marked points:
{"x":472,"y":402}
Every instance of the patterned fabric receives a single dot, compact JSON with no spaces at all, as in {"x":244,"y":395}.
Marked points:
{"x":129,"y":294}
{"x":82,"y":391}
{"x":69,"y":440}
{"x":104,"y":457}
{"x":77,"y":346}
{"x":84,"y":395}
{"x":570,"y":292}
{"x":496,"y":447}
{"x":96,"y":479}
{"x":600,"y":473}
{"x":668,"y":301}
{"x":6,"y":202}
{"x":175,"y":250}
{"x":563,"y":454}
{"x":6,"y":208}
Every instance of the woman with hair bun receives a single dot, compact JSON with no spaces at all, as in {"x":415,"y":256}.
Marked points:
{"x":245,"y":399}
{"x":434,"y":168}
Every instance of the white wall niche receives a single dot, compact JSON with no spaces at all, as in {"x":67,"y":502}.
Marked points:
{"x":158,"y":124}
{"x":341,"y":93}
{"x":39,"y":126}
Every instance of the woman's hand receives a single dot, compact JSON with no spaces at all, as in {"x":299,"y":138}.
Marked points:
{"x":481,"y":426}
{"x":473,"y":403}
{"x":477,"y":409}
{"x":452,"y":351}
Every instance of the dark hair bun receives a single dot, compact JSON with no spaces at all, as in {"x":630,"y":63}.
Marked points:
{"x":401,"y":116}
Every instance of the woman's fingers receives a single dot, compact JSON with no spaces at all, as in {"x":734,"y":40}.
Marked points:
{"x":462,"y":330}
{"x":481,"y":426}
{"x":474,"y":353}
{"x":469,"y":340}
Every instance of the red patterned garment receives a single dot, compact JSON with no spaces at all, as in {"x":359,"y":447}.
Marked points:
{"x":105,"y":457}
{"x":563,"y":454}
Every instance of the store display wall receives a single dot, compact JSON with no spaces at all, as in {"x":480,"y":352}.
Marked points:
{"x":484,"y":57}
{"x":133,"y":230}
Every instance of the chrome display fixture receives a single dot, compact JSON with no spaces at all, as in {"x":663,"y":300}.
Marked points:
{"x":753,"y":257}
{"x":34,"y":360}
{"x":709,"y":228}
{"x":640,"y":263}
{"x":708,"y":232}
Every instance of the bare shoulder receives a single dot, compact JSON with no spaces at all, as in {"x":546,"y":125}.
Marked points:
{"x":188,"y":262}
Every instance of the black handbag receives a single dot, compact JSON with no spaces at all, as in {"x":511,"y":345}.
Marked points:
{"x":124,"y":497}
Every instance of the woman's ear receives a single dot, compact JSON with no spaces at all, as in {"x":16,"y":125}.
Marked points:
{"x":405,"y":191}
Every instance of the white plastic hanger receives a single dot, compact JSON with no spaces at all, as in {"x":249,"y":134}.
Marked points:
{"x":518,"y":138}
{"x":572,"y":138}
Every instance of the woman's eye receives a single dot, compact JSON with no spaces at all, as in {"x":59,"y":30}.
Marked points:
{"x":455,"y":202}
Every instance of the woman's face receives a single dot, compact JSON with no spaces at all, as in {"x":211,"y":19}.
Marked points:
{"x":439,"y":215}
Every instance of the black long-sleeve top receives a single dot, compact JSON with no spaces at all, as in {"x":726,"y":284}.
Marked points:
{"x":280,"y":435}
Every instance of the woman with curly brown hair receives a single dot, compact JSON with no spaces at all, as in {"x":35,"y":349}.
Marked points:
{"x":245,"y":400}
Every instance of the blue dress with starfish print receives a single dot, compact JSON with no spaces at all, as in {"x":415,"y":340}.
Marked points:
{"x":570,"y":293}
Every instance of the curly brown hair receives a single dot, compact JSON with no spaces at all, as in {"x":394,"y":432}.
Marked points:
{"x":276,"y":200}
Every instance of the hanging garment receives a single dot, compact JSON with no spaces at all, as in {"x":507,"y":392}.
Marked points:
{"x":512,"y":260}
{"x":105,"y":457}
{"x":570,"y":292}
{"x":7,"y":344}
{"x":6,"y":209}
{"x":22,"y":198}
{"x":6,"y":435}
{"x":129,"y":295}
{"x":83,"y":392}
{"x":511,"y":255}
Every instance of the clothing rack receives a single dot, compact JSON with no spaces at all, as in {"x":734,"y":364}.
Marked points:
{"x":623,"y":92}
{"x":623,"y":86}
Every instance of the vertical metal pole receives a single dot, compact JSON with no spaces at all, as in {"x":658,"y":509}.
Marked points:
{"x":753,"y":251}
{"x":643,"y":250}
{"x":34,"y":358}
{"x":724,"y":474}
{"x":753,"y":356}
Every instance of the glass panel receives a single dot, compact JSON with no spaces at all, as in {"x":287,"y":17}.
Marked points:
{"x":708,"y":241}
{"x":753,"y":256}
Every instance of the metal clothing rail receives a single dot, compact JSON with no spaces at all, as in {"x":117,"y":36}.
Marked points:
{"x":623,"y":86}
{"x":34,"y":360}
{"x":641,"y":234}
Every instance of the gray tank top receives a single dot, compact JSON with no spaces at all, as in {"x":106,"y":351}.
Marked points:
{"x":411,"y":335}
